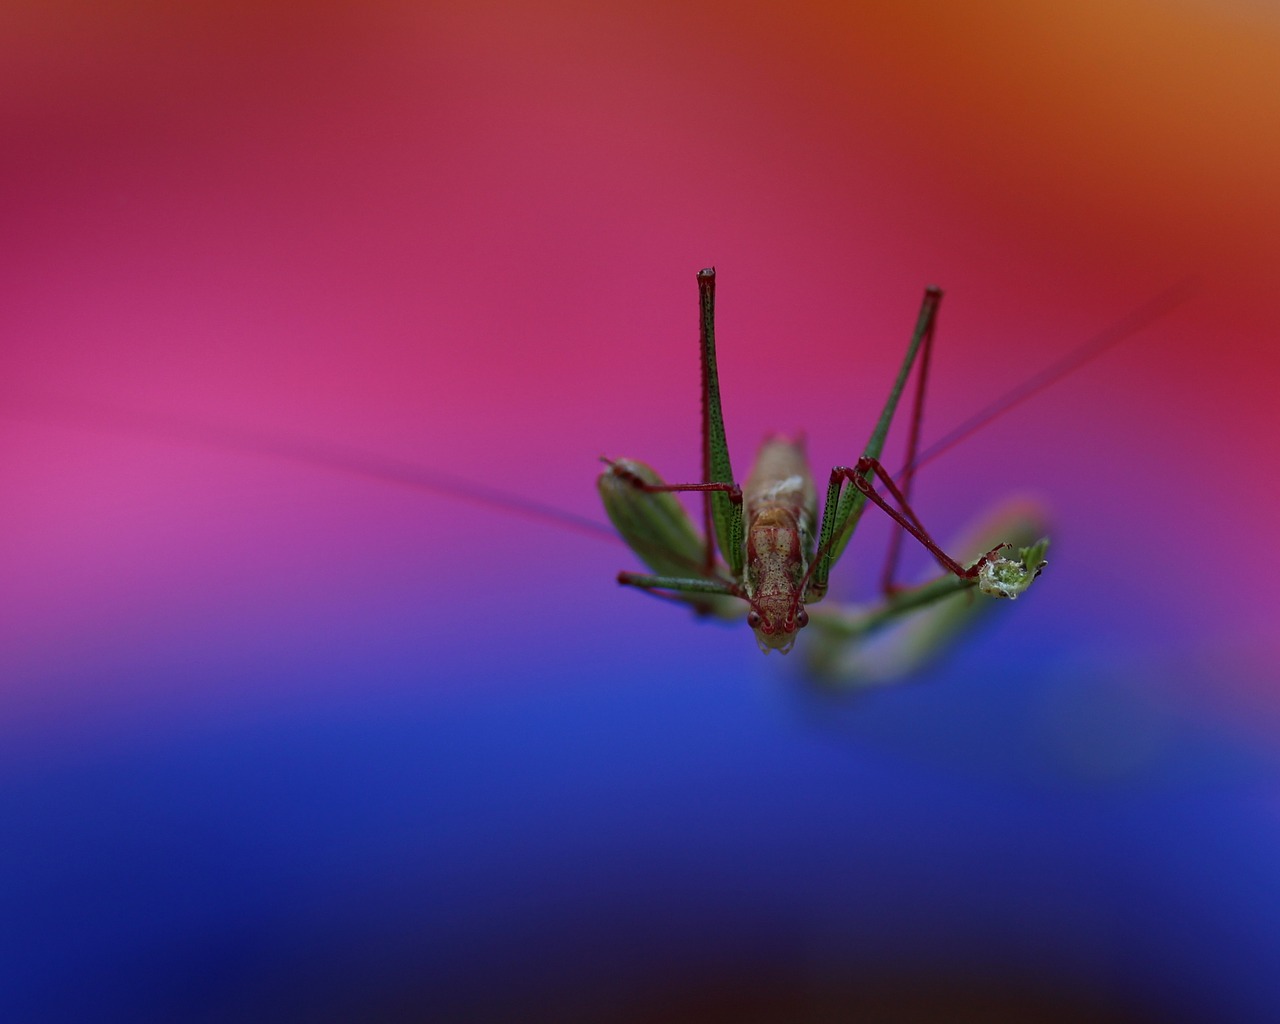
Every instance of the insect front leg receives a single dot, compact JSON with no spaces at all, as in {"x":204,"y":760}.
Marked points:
{"x":661,"y":533}
{"x":653,"y":485}
{"x":672,"y":586}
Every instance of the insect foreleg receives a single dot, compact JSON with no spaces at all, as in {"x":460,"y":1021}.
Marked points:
{"x":732,"y":490}
{"x":682,"y":584}
{"x":719,"y":598}
{"x":659,"y":530}
{"x":729,"y":490}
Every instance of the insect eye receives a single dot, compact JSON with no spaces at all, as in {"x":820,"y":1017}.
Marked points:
{"x":802,"y":619}
{"x":753,"y":619}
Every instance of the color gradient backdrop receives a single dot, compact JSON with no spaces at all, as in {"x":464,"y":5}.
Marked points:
{"x":281,"y":740}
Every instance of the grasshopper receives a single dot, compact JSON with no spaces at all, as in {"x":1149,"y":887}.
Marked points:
{"x":774,"y":557}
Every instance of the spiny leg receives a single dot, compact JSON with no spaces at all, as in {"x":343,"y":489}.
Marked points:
{"x":652,"y":522}
{"x":683,"y":584}
{"x":722,"y":501}
{"x":663,"y":535}
{"x":888,"y":584}
{"x":732,"y":490}
{"x":722,"y":498}
{"x":700,"y":607}
{"x":672,"y":588}
{"x":860,"y":477}
{"x":844,"y":506}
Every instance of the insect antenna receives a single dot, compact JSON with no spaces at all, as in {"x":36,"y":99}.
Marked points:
{"x":304,"y":450}
{"x":1140,"y":318}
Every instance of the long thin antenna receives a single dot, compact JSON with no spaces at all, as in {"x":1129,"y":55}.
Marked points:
{"x":1145,"y":315}
{"x":298,"y":449}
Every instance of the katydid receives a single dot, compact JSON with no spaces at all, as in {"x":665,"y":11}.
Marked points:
{"x":772,"y":557}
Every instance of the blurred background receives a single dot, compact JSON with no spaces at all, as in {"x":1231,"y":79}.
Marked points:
{"x":283,"y":740}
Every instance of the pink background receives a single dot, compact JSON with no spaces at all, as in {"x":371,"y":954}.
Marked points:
{"x":464,"y":236}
